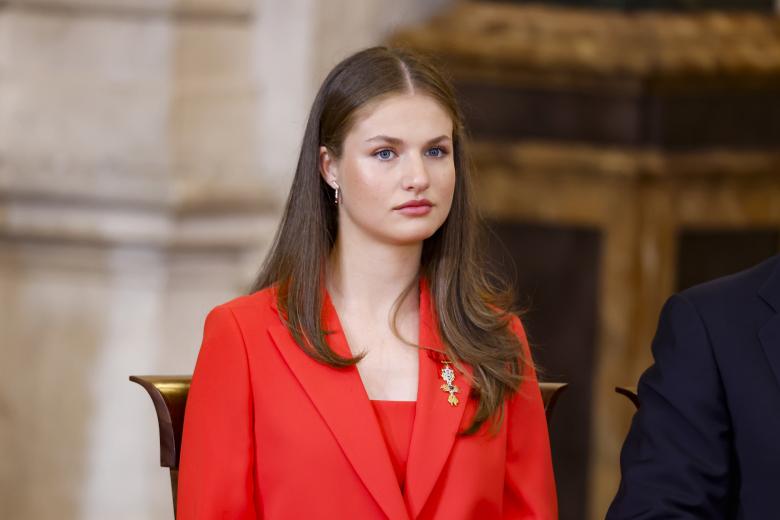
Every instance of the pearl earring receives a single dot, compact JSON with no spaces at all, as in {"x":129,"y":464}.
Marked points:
{"x":337,"y":195}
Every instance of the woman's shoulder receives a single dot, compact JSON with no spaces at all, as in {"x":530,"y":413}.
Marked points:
{"x":512,"y":321}
{"x":252,"y":307}
{"x":516,"y":324}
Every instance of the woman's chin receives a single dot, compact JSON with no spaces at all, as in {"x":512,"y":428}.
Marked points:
{"x":411,"y":237}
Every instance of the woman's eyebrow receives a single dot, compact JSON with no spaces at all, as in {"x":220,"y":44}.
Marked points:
{"x":440,"y":138}
{"x":397,"y":141}
{"x":387,"y":138}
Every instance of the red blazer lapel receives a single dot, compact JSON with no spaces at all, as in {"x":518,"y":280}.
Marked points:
{"x":341,"y":399}
{"x":436,"y":421}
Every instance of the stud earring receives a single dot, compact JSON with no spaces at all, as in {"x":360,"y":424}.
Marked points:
{"x":337,"y":195}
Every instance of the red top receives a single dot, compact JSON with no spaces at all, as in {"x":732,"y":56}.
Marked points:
{"x":396,"y":419}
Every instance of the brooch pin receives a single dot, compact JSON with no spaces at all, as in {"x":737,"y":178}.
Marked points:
{"x":448,"y":374}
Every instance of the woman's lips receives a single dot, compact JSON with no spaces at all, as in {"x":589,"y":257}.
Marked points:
{"x":415,"y":208}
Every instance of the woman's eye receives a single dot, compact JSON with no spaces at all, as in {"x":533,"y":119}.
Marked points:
{"x":384,"y":155}
{"x":436,"y":152}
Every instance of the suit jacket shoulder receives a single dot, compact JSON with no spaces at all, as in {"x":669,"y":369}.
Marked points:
{"x":703,"y":443}
{"x":730,"y":294}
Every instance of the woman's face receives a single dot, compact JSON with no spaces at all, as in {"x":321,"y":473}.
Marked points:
{"x":396,"y":172}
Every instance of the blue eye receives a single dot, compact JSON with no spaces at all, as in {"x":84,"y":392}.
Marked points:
{"x":436,"y":152}
{"x":384,"y":155}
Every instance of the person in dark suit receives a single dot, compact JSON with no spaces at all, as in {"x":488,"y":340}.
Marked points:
{"x":705,"y":442}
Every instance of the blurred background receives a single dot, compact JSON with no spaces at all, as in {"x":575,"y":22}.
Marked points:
{"x":624,"y":150}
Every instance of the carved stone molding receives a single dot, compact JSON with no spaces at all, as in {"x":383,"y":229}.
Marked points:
{"x":550,"y":159}
{"x":225,"y":11}
{"x":123,"y":206}
{"x":509,"y":41}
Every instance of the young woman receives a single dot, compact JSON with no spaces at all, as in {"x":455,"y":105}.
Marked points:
{"x":373,"y":372}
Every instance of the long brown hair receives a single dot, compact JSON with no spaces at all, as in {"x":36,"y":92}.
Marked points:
{"x":472,"y":312}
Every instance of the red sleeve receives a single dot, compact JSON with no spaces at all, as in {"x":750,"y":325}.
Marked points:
{"x":216,"y":469}
{"x":529,"y":485}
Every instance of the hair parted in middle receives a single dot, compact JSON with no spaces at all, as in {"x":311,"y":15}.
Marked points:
{"x":472,"y":311}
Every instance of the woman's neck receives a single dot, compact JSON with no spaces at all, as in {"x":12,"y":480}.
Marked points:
{"x":371,"y":275}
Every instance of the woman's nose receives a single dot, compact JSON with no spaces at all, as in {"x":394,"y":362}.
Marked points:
{"x":416,"y":175}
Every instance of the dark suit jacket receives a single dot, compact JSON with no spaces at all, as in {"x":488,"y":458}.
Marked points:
{"x":705,"y":442}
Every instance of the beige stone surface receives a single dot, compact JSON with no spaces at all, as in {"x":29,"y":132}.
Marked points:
{"x":213,"y":9}
{"x":66,"y":99}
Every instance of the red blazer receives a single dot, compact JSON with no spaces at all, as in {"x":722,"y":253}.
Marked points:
{"x":271,"y":433}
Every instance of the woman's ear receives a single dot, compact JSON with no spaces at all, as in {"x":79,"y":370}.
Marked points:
{"x":328,"y":169}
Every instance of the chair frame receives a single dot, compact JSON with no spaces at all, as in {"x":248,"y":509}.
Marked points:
{"x":169,"y":395}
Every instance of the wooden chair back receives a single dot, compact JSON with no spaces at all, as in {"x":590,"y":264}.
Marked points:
{"x":630,"y":393}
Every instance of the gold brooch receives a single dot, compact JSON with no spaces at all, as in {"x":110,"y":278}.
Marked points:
{"x":448,"y":374}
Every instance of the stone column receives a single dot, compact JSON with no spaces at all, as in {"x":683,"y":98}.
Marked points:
{"x":130,"y":203}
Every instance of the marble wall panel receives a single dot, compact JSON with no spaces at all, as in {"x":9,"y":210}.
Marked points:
{"x":213,"y":9}
{"x":84,"y":88}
